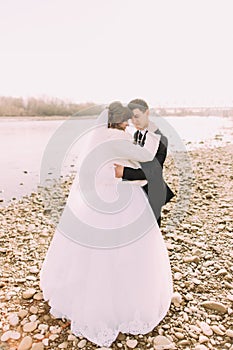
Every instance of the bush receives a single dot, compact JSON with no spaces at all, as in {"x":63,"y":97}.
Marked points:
{"x":11,"y":106}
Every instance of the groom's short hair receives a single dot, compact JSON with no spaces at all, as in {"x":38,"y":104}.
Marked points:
{"x":138,"y":103}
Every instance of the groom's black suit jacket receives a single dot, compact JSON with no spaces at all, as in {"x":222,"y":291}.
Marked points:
{"x":159,"y":193}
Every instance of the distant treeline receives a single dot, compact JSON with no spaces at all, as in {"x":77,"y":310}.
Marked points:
{"x":11,"y":106}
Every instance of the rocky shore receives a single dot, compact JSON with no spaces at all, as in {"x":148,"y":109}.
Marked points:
{"x":200,"y":250}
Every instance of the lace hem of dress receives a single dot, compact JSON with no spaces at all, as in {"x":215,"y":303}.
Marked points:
{"x":107,"y":336}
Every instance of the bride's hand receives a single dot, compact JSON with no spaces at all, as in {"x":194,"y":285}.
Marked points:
{"x":118,"y":170}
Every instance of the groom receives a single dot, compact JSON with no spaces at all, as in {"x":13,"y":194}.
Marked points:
{"x":159,"y":193}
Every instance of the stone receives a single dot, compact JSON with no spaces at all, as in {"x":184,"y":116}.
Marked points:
{"x":179,"y":335}
{"x":121,"y":336}
{"x":221,"y":272}
{"x":214,"y":305}
{"x":15,"y":335}
{"x":188,"y":297}
{"x":53,"y":337}
{"x":217,"y":330}
{"x":200,"y":347}
{"x":178,"y":276}
{"x":27,"y":294}
{"x":33,"y":269}
{"x":38,"y":336}
{"x":45,"y":342}
{"x":37,"y":346}
{"x":55,"y":329}
{"x":176,"y":298}
{"x":32,"y":318}
{"x":195,"y":329}
{"x":206,"y":329}
{"x":196,"y":281}
{"x":31,"y":278}
{"x":193,"y":335}
{"x":38,"y":296}
{"x":230,"y":297}
{"x":25,"y":343}
{"x":6,"y":336}
{"x":131,"y":343}
{"x":33,"y":309}
{"x":72,"y":337}
{"x":185,"y":317}
{"x":82,"y":343}
{"x":203,"y":339}
{"x":63,"y":345}
{"x":13,"y":320}
{"x":229,"y":333}
{"x":184,"y":342}
{"x":162,"y":343}
{"x":31,"y":227}
{"x":30,"y":326}
{"x":189,"y":259}
{"x":22,"y":313}
{"x":47,"y":211}
{"x":43,"y":327}
{"x":228,"y":285}
{"x":3,"y":250}
{"x":169,"y":246}
{"x":208,"y":263}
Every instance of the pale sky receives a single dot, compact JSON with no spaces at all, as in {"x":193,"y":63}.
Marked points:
{"x":169,"y":52}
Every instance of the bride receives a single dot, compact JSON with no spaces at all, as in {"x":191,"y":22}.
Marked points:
{"x":107,"y":268}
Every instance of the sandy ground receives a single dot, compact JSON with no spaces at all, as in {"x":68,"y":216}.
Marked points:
{"x":200,"y":251}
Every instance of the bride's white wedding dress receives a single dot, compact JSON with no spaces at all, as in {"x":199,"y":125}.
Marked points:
{"x":108,"y":271}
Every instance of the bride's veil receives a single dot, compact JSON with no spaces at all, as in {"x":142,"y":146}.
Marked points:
{"x":97,"y":150}
{"x":93,"y":134}
{"x":102,"y":119}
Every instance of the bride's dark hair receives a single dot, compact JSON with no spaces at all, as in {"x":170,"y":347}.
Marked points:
{"x":118,"y":114}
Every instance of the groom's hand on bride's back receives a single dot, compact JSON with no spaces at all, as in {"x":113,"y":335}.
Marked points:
{"x":129,"y":174}
{"x":119,"y":169}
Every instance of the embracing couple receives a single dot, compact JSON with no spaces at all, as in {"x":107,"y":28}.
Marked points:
{"x":107,"y":268}
{"x":158,"y":191}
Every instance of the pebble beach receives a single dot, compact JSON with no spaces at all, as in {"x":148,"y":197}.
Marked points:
{"x":200,"y":251}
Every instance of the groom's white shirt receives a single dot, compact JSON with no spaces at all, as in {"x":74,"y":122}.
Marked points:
{"x":143,"y":131}
{"x":131,"y":128}
{"x":130,"y":162}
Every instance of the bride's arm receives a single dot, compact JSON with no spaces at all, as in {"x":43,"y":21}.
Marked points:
{"x":125,"y":148}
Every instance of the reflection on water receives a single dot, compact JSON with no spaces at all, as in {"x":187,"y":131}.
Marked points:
{"x":23,"y":144}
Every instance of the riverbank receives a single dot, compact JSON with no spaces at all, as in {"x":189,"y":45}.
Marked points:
{"x":200,"y":250}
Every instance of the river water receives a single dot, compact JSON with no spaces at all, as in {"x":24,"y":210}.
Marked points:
{"x":25,"y":144}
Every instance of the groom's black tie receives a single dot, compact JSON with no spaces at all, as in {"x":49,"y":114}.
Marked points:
{"x":139,"y":139}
